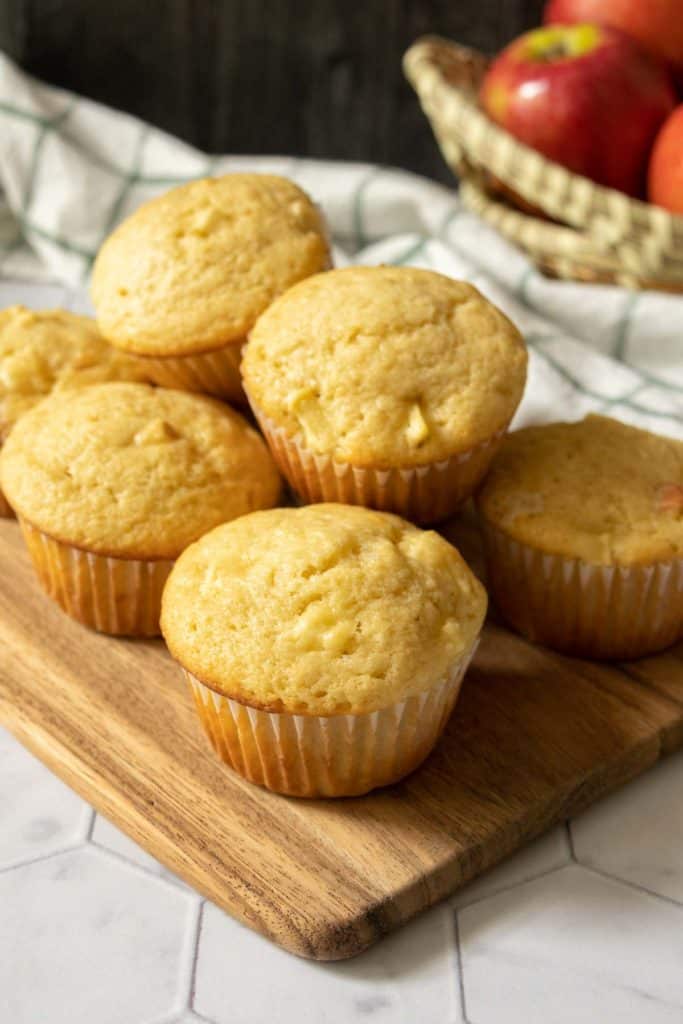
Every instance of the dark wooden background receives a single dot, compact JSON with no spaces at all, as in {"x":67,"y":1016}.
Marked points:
{"x":304,"y":77}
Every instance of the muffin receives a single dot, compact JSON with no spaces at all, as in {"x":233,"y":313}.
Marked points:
{"x":384,"y":386}
{"x":583,"y":530}
{"x":47,"y":351}
{"x":184,"y":278}
{"x":111,"y":482}
{"x":325,"y":645}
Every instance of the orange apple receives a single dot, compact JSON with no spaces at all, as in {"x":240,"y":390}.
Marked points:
{"x":585,"y":96}
{"x":665,"y":176}
{"x":656,"y":24}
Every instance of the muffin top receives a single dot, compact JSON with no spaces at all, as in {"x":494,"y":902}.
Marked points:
{"x":383,"y":366}
{"x":134,"y":471}
{"x":597,"y":490}
{"x":47,"y":351}
{"x":191,"y":270}
{"x":321,"y":610}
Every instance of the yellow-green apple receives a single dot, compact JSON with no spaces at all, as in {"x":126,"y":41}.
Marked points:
{"x":585,"y":96}
{"x":665,"y":176}
{"x":656,"y":24}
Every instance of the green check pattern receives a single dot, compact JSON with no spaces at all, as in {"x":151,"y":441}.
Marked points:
{"x":71,"y":169}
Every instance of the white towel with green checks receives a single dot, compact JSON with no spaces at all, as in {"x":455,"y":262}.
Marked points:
{"x":71,"y":169}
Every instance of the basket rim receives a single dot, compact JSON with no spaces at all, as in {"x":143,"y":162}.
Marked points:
{"x":425,"y":73}
{"x":578,"y":259}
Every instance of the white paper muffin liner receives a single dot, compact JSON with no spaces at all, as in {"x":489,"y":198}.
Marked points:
{"x":334,"y":755}
{"x":112,"y":595}
{"x":426,"y":494}
{"x":214,"y":373}
{"x":596,"y":611}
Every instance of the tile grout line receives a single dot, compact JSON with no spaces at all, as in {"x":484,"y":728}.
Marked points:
{"x":570,"y":840}
{"x":189,"y":982}
{"x":513,"y":885}
{"x":459,"y":966}
{"x":201,"y":1018}
{"x":195,"y":956}
{"x":43,"y":856}
{"x":91,"y":825}
{"x":630,"y":885}
{"x":122,"y":859}
{"x":184,"y":1013}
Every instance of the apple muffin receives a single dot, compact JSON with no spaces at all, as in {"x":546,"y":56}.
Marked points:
{"x":389,"y":387}
{"x":183,"y":279}
{"x":51,"y":350}
{"x":111,"y":482}
{"x":325,"y":645}
{"x":583,"y":530}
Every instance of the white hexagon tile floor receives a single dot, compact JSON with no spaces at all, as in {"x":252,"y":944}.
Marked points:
{"x":40,"y":815}
{"x":585,"y":924}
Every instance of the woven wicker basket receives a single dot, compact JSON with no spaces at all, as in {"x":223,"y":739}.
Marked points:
{"x":569,"y":226}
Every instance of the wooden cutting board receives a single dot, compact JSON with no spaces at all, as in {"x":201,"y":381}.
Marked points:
{"x":534,"y":738}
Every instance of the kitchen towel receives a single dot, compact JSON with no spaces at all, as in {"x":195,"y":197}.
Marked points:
{"x":71,"y":169}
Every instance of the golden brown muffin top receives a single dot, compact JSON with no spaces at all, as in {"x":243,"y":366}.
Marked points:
{"x":385,"y":366}
{"x":49,"y":350}
{"x":191,"y":270}
{"x":597,"y":490}
{"x":325,"y":609}
{"x":134,"y":471}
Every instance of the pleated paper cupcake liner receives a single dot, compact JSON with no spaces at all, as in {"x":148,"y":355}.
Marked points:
{"x":214,"y":373}
{"x":327,"y":756}
{"x":6,"y":511}
{"x":425,"y":494}
{"x":596,"y":611}
{"x":112,"y":595}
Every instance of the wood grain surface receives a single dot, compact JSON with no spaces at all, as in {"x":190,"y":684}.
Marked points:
{"x":535,"y":737}
{"x":301,"y":77}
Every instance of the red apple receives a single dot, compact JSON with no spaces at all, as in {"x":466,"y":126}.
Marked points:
{"x":665,"y":176}
{"x":585,"y":96}
{"x":656,"y":24}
